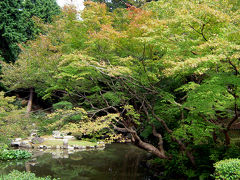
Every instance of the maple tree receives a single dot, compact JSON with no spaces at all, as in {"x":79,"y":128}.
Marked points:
{"x":166,"y":73}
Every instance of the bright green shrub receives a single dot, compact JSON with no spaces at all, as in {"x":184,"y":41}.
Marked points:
{"x":17,"y":175}
{"x":14,"y":154}
{"x":228,"y":169}
{"x":62,"y":105}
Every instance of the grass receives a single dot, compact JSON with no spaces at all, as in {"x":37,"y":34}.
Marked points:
{"x":81,"y":143}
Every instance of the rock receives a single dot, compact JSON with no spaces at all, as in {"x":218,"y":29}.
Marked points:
{"x":58,"y":147}
{"x":18,"y":139}
{"x":25,"y":144}
{"x":58,"y":137}
{"x":37,"y":140}
{"x":57,"y":134}
{"x":34,"y":133}
{"x":15,"y":143}
{"x":70,"y":148}
{"x":68,"y":137}
{"x":82,"y":147}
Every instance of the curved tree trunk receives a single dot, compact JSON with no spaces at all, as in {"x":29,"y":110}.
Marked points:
{"x":30,"y":100}
{"x":159,"y":152}
{"x":227,"y":138}
{"x":138,"y":142}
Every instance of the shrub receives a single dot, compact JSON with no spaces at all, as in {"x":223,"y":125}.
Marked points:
{"x":62,"y":105}
{"x":13,"y":119}
{"x":17,"y":175}
{"x":228,"y":169}
{"x":14,"y":154}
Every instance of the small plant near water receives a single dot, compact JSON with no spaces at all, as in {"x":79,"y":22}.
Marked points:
{"x":14,"y":154}
{"x":228,"y":169}
{"x":17,"y":175}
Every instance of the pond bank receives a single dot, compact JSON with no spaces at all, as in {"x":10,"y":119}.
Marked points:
{"x":47,"y":142}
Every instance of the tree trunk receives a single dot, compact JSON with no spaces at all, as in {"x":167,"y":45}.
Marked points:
{"x":214,"y":136}
{"x":149,"y":147}
{"x":227,"y":138}
{"x":138,"y":142}
{"x":30,"y":100}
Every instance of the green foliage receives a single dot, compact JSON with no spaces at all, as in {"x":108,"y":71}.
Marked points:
{"x":146,"y":132}
{"x":62,"y":105}
{"x":227,"y":169}
{"x":6,"y":155}
{"x":114,"y":4}
{"x":13,"y":120}
{"x":6,"y":103}
{"x":17,"y":25}
{"x":79,"y":124}
{"x":13,"y":28}
{"x":17,"y":175}
{"x":178,"y":165}
{"x":45,"y":10}
{"x":169,"y":64}
{"x":131,"y":113}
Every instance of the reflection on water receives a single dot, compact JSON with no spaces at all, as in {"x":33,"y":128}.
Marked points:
{"x":116,"y":162}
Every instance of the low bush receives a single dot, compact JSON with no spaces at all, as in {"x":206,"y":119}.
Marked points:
{"x":228,"y":169}
{"x":17,"y":175}
{"x":62,"y":105}
{"x":14,"y":154}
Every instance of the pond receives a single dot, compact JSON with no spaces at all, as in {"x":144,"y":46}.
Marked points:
{"x":115,"y":162}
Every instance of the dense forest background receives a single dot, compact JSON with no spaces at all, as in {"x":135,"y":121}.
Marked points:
{"x":165,"y":73}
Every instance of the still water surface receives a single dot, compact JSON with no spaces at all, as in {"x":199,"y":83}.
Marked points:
{"x":115,"y":162}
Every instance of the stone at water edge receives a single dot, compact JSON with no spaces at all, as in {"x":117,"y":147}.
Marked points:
{"x":58,"y":134}
{"x":68,"y":137}
{"x":15,"y":143}
{"x":70,"y":148}
{"x":25,"y":144}
{"x":82,"y":147}
{"x":58,"y":137}
{"x":37,"y":140}
{"x":90,"y":147}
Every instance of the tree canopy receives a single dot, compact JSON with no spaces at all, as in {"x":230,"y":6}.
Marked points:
{"x":166,"y":73}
